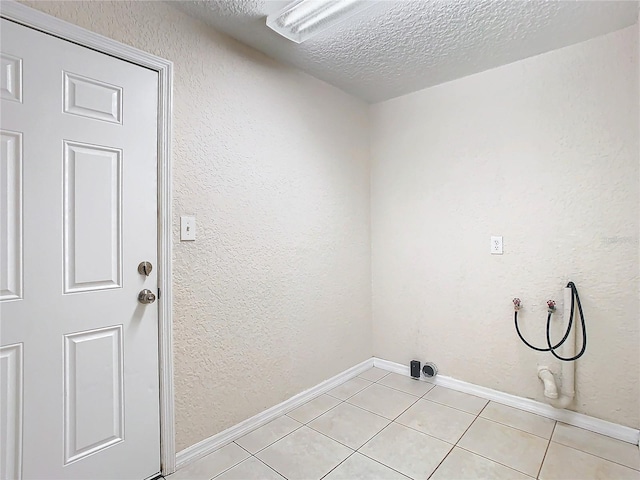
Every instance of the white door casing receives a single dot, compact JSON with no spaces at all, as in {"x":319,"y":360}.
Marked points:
{"x":79,"y":356}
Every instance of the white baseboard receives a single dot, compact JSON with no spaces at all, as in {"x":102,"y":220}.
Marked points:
{"x":208,"y":445}
{"x":620,"y":432}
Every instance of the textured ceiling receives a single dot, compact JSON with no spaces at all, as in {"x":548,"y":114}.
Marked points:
{"x":397,"y":47}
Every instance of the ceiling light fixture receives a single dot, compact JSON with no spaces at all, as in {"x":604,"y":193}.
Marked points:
{"x":303,"y":19}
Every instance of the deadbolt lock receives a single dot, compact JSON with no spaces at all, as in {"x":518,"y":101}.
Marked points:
{"x":145,"y":268}
{"x":146,"y":296}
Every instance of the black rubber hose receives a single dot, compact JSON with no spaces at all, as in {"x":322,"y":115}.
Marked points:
{"x":574,"y":297}
{"x":551,"y":348}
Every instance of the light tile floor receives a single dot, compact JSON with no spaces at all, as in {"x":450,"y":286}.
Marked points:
{"x":387,"y":426}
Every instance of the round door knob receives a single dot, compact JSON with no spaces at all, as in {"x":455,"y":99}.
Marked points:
{"x":146,"y":296}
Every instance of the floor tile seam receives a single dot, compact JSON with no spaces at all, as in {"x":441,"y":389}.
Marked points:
{"x":457,"y":444}
{"x":356,"y":406}
{"x":476,"y":453}
{"x":359,"y":450}
{"x":402,"y":413}
{"x":338,"y":441}
{"x":345,"y":399}
{"x":498,"y":402}
{"x":316,"y":396}
{"x":375,"y":381}
{"x":354,"y":449}
{"x":516,"y":428}
{"x":451,"y":406}
{"x":390,"y":388}
{"x":318,"y":416}
{"x":597,"y":456}
{"x":635,"y":446}
{"x":494,"y":461}
{"x":237,"y":444}
{"x":275,"y":441}
{"x":403,"y":391}
{"x":390,"y":419}
{"x":268,"y":466}
{"x":382,"y":463}
{"x":348,"y":457}
{"x":430,"y":434}
{"x":441,"y":461}
{"x":433,"y":385}
{"x":544,"y":457}
{"x":467,"y":429}
{"x":234,"y":465}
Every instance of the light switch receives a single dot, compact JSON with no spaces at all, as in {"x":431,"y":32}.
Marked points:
{"x":496,"y":245}
{"x":187,"y":228}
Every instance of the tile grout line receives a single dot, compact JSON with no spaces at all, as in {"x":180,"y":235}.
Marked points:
{"x":519,"y":429}
{"x":384,"y":464}
{"x":404,"y":391}
{"x":597,"y":456}
{"x":544,"y":457}
{"x":318,"y":416}
{"x":234,"y":465}
{"x":345,"y":399}
{"x":331,"y":438}
{"x":277,"y":440}
{"x":487,"y":458}
{"x":374,"y":413}
{"x":371,"y":458}
{"x":269,"y":466}
{"x":454,"y":445}
{"x":495,"y":461}
{"x":359,"y":408}
{"x":348,"y":457}
{"x":451,"y":406}
{"x":589,"y":453}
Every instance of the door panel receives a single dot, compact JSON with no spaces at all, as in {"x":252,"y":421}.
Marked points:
{"x":11,"y":215}
{"x":78,"y":213}
{"x":92,"y":217}
{"x":11,"y":79}
{"x":11,"y":410}
{"x":94,"y":384}
{"x":92,"y":98}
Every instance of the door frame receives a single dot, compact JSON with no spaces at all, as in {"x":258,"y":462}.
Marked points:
{"x":11,"y":10}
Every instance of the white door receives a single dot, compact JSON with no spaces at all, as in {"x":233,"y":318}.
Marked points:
{"x":79,"y":394}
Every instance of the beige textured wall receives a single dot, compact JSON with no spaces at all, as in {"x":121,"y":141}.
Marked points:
{"x":544,"y":152}
{"x":274,"y":296}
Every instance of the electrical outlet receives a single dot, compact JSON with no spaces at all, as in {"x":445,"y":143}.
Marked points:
{"x":496,"y":245}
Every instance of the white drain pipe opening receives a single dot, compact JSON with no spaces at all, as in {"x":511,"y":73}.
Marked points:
{"x":568,"y":368}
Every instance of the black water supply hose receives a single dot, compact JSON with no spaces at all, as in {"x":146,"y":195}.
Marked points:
{"x":575,"y":298}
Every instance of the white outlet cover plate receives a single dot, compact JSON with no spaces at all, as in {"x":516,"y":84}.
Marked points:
{"x":496,"y":245}
{"x":187,"y":228}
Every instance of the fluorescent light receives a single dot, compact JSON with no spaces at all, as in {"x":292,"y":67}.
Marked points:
{"x":303,"y":19}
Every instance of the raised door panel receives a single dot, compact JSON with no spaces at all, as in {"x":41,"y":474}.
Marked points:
{"x":92,"y":217}
{"x":93,"y":391}
{"x":11,"y":261}
{"x":10,"y":78}
{"x":11,"y":411}
{"x":92,"y":98}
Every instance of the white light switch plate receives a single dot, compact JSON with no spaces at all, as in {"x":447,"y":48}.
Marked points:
{"x":496,"y":245}
{"x":187,"y":228}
